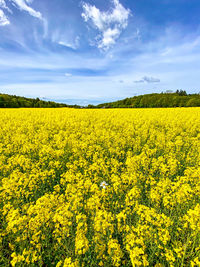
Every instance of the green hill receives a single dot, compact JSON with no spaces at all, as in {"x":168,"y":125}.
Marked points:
{"x":162,"y":100}
{"x":13,"y":101}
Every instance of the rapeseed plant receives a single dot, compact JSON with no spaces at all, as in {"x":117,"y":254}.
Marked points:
{"x":100,"y":187}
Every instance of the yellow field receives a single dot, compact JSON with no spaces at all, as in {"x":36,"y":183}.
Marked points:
{"x":100,"y":187}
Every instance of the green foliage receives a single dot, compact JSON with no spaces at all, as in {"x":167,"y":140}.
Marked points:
{"x":13,"y":101}
{"x":163,"y":100}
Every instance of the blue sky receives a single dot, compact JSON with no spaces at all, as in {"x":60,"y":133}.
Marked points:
{"x":95,"y":51}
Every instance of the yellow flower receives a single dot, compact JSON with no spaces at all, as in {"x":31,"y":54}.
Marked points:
{"x":52,"y":164}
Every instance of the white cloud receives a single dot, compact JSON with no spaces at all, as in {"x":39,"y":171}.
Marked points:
{"x":109,"y":37}
{"x":29,"y":1}
{"x":23,"y":5}
{"x":68,"y":74}
{"x":148,"y":80}
{"x":3,"y":19}
{"x":74,"y":45}
{"x":151,"y":79}
{"x":2,"y":4}
{"x":110,"y":24}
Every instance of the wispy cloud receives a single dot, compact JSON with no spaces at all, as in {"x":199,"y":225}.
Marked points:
{"x":148,"y":80}
{"x":23,"y":5}
{"x":4,"y":6}
{"x":73,"y":45}
{"x":3,"y":19}
{"x":109,"y":24}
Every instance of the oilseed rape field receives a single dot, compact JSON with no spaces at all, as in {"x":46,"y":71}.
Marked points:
{"x":106,"y":187}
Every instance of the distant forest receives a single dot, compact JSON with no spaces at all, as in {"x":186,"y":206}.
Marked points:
{"x":163,"y":100}
{"x":13,"y":101}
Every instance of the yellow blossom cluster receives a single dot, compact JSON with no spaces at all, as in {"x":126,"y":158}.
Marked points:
{"x":107,"y":187}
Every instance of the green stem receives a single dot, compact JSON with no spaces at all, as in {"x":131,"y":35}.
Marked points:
{"x":193,"y":244}
{"x":183,"y":258}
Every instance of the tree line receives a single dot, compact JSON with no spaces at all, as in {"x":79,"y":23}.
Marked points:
{"x":13,"y":101}
{"x":163,"y":100}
